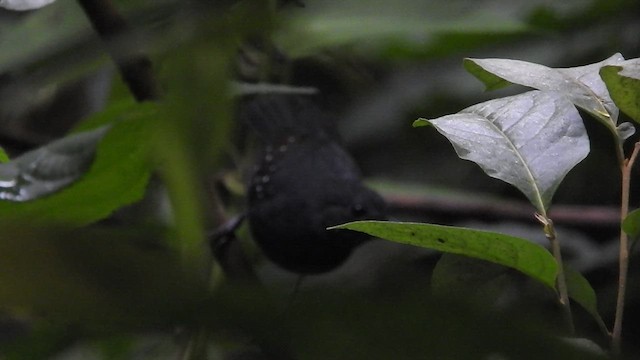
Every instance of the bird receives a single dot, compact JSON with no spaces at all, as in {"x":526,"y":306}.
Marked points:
{"x":303,"y":182}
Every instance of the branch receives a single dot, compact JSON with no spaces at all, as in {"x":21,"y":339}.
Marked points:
{"x":135,"y":68}
{"x":484,"y":208}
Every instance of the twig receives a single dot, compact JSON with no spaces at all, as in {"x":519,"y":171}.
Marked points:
{"x":136,"y":68}
{"x":561,"y":283}
{"x":616,"y":336}
{"x":494,"y":209}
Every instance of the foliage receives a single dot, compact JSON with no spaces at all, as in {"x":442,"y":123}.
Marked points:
{"x":531,"y":141}
{"x":72,"y":275}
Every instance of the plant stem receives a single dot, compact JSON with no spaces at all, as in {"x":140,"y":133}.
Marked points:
{"x":561,"y":282}
{"x":625,"y":168}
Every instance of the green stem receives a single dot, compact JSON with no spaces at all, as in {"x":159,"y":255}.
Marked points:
{"x":561,"y":282}
{"x":625,"y":168}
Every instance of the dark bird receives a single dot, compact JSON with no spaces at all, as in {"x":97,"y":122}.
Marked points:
{"x":303,"y":182}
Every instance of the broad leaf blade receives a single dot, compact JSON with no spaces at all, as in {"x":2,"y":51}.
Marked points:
{"x":118,"y":176}
{"x":582,"y":84}
{"x":520,"y":254}
{"x":530,"y":141}
{"x":48,"y":169}
{"x":623,"y":82}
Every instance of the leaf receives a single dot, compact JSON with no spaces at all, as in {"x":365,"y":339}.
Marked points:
{"x":46,"y":170}
{"x":631,"y":224}
{"x":21,"y":5}
{"x":582,"y":85}
{"x":520,"y":254}
{"x":623,"y":83}
{"x":530,"y":141}
{"x":625,"y":130}
{"x":581,"y":292}
{"x":114,"y":112}
{"x":3,"y":156}
{"x":117,"y":177}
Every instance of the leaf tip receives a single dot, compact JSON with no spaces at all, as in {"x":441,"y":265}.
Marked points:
{"x":421,"y":123}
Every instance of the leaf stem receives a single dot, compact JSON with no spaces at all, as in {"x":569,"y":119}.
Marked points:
{"x":625,"y":168}
{"x":561,"y":282}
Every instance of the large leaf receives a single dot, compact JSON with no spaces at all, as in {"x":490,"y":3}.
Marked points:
{"x":520,"y":254}
{"x":623,"y":82}
{"x":582,"y":84}
{"x":530,"y":141}
{"x":117,"y":177}
{"x":47,"y":169}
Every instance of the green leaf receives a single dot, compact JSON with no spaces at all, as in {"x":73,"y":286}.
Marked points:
{"x":114,"y":112}
{"x":623,"y":82}
{"x":421,"y":123}
{"x":49,"y":168}
{"x":582,"y":85}
{"x":489,"y":79}
{"x":118,"y":176}
{"x":520,"y":254}
{"x":3,"y":156}
{"x":631,"y":224}
{"x":581,"y":292}
{"x":530,"y":141}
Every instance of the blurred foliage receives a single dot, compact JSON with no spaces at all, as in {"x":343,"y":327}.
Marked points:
{"x":108,"y":286}
{"x":117,"y":177}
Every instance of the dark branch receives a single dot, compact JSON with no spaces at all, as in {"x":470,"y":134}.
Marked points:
{"x":135,"y":68}
{"x":491,"y":209}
